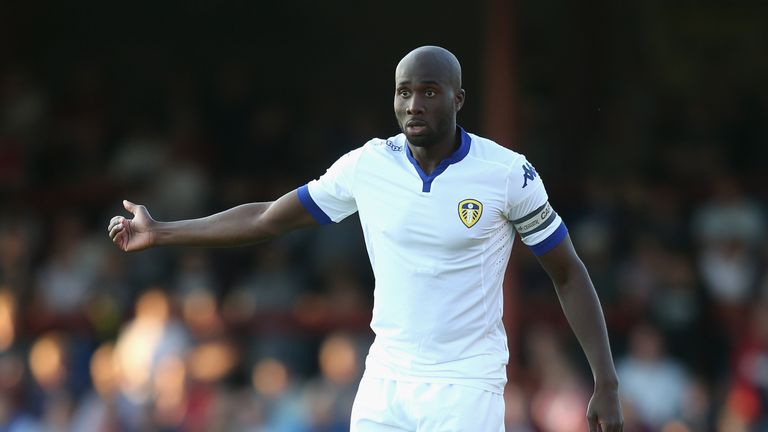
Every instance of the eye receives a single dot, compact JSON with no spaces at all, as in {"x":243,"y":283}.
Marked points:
{"x":404,"y":93}
{"x":430,"y":93}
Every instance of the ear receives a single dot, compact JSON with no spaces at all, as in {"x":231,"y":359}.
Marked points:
{"x":458,"y":99}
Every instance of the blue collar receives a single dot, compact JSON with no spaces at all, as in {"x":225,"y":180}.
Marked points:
{"x":455,"y":157}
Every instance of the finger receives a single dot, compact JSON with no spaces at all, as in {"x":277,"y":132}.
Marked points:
{"x":114,"y":221}
{"x":131,"y":207}
{"x":118,"y":239}
{"x":121,"y":240}
{"x":115,"y":230}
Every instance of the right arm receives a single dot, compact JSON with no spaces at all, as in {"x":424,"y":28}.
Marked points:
{"x":241,"y":225}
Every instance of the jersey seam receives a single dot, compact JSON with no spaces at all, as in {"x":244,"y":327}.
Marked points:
{"x":506,"y":189}
{"x":483,"y":265}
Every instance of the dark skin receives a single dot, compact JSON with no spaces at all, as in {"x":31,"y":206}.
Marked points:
{"x":581,"y":307}
{"x":428,"y":96}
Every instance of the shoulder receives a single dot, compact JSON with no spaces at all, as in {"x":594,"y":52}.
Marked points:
{"x":488,"y":151}
{"x":395,"y":144}
{"x":371,"y":147}
{"x":371,"y":153}
{"x":378,"y":149}
{"x":522,"y":179}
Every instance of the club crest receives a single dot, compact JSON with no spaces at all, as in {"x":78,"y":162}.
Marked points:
{"x":470,"y":211}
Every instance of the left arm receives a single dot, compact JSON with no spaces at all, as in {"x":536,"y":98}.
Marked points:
{"x":584,"y":314}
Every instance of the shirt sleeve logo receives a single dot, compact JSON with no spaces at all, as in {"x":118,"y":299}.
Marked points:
{"x":470,"y":211}
{"x":529,"y":173}
{"x":394,"y":147}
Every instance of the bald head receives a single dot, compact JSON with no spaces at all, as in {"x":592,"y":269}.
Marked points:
{"x":428,"y":95}
{"x":434,"y":59}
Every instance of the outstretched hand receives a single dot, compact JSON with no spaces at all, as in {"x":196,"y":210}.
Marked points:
{"x":132,"y":234}
{"x":604,"y":412}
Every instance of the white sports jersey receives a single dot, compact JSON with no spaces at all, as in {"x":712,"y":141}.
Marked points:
{"x":438,"y":245}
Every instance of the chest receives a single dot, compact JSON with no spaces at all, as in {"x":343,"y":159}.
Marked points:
{"x":463,"y":208}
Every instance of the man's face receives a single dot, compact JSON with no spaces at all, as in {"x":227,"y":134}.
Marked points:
{"x":426,"y":102}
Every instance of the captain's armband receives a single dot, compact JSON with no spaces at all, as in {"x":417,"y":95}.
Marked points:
{"x":535,"y":221}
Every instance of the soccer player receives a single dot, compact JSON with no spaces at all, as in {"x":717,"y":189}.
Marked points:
{"x":439,"y":208}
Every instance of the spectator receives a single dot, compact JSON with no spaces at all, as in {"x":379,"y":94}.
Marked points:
{"x":652,"y":383}
{"x":729,"y":229}
{"x":747,"y":402}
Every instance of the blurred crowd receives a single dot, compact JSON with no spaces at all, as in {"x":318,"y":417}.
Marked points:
{"x":273,"y":337}
{"x":265,"y":338}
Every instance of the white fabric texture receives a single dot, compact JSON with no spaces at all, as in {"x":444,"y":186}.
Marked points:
{"x":395,"y":406}
{"x":439,"y":247}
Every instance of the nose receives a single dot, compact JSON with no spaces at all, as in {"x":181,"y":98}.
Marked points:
{"x":415,"y":105}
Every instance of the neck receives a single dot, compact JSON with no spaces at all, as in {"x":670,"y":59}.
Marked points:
{"x":430,"y":157}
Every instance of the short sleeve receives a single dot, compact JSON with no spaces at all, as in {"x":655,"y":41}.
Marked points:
{"x":331,"y":197}
{"x":528,"y":208}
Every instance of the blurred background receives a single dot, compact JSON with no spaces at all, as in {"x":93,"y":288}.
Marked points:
{"x":647,"y":120}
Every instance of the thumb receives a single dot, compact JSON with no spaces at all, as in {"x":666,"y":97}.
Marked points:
{"x":131,"y":207}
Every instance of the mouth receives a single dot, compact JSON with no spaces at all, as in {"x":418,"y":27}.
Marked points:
{"x":416,"y":127}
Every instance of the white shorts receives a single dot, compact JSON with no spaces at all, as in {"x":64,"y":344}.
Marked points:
{"x":398,"y":406}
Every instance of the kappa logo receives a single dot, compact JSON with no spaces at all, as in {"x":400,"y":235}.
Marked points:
{"x":470,"y":211}
{"x":529,"y":173}
{"x":394,"y":147}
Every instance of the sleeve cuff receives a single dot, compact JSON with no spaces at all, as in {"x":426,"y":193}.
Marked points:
{"x":311,"y":206}
{"x":550,"y":242}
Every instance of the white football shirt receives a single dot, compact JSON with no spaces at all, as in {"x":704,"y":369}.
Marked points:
{"x":439,"y":245}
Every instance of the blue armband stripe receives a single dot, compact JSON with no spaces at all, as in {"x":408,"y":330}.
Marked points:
{"x":311,"y":206}
{"x":550,"y":242}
